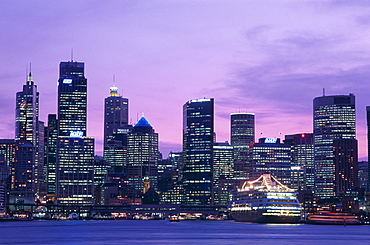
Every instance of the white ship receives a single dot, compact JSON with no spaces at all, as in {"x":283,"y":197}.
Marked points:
{"x":265,"y":200}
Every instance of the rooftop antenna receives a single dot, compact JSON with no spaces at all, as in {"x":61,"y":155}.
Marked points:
{"x":71,"y":54}
{"x":30,"y":68}
{"x":323,"y":92}
{"x":114,"y":80}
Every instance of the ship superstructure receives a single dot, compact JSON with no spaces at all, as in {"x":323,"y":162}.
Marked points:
{"x":265,"y":200}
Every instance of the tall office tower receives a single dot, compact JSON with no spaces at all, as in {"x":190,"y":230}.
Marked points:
{"x":302,"y":170}
{"x":198,"y":131}
{"x":27,"y":126}
{"x":334,"y":119}
{"x":51,"y":136}
{"x":75,"y":170}
{"x":242,"y":135}
{"x":368,"y":141}
{"x":27,"y":112}
{"x":75,"y":151}
{"x":223,"y":168}
{"x":115,"y":114}
{"x":269,"y":156}
{"x":142,"y":155}
{"x":72,"y":99}
{"x":23,"y":174}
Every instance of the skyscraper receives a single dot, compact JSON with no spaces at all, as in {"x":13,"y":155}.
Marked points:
{"x":302,"y":170}
{"x":223,"y":168}
{"x":72,"y":99}
{"x":242,"y":135}
{"x":334,"y":119}
{"x":27,"y":112}
{"x":269,"y":156}
{"x":142,"y":155}
{"x":27,"y":127}
{"x":75,"y":151}
{"x":115,"y":114}
{"x":51,"y":136}
{"x":198,"y":132}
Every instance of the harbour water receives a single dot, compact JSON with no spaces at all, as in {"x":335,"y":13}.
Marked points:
{"x":183,"y":232}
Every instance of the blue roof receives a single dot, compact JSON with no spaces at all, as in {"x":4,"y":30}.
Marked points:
{"x":143,"y":122}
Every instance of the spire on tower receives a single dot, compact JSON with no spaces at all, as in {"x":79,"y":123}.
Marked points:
{"x":114,"y":89}
{"x":30,"y":77}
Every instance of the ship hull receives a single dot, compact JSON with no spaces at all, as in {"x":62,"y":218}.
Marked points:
{"x":260,"y":218}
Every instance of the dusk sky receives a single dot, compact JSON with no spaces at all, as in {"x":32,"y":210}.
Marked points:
{"x":270,"y":58}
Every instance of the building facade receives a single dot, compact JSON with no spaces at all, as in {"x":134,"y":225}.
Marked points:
{"x":334,"y":119}
{"x":198,"y":133}
{"x":302,"y":169}
{"x":75,"y":151}
{"x":115,"y":114}
{"x":242,"y":135}
{"x":269,"y":156}
{"x":142,"y":156}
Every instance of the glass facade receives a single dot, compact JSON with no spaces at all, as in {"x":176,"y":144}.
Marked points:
{"x":198,"y":132}
{"x":75,"y":151}
{"x":223,"y":168}
{"x":242,"y":135}
{"x":72,"y":98}
{"x":115,"y":114}
{"x":269,"y":156}
{"x":302,"y":169}
{"x":142,"y":155}
{"x":334,"y":118}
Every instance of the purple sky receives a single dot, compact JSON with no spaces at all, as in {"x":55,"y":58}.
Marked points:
{"x":270,"y":58}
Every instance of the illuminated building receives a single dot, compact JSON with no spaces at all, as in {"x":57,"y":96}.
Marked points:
{"x":198,"y":132}
{"x":302,"y":169}
{"x":72,"y":98}
{"x":4,"y":174}
{"x":242,"y":135}
{"x":75,"y":170}
{"x":23,"y":173}
{"x":334,"y":119}
{"x":223,"y":167}
{"x":269,"y":156}
{"x":363,"y":174}
{"x":115,"y":114}
{"x":27,"y":126}
{"x":100,"y":170}
{"x":346,"y":164}
{"x":51,"y":136}
{"x":115,"y":153}
{"x":75,"y":151}
{"x":142,"y":155}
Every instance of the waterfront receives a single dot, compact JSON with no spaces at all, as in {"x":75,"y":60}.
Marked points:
{"x":184,"y":232}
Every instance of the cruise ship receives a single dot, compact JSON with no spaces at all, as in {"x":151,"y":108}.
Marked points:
{"x":265,"y":200}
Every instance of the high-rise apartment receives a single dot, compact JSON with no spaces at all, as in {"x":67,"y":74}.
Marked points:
{"x":198,"y":133}
{"x":334,"y":119}
{"x":75,"y":151}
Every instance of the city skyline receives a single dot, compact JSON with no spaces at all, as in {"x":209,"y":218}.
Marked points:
{"x":270,"y":61}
